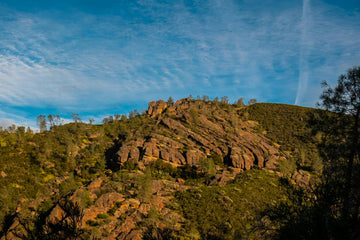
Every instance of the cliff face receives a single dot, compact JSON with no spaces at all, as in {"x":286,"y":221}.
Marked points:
{"x":188,"y":131}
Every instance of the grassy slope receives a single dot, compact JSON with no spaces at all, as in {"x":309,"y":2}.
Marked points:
{"x":288,"y":126}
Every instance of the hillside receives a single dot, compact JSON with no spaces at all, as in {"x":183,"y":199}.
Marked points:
{"x":190,"y":170}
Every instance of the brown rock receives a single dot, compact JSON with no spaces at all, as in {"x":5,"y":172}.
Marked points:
{"x":156,"y":108}
{"x":172,"y":155}
{"x":123,"y":154}
{"x":144,"y":209}
{"x":164,"y":154}
{"x":167,"y":141}
{"x":95,"y":184}
{"x":12,"y":229}
{"x":217,"y":131}
{"x":106,"y":201}
{"x":102,"y":205}
{"x":151,"y":150}
{"x":302,"y":178}
{"x":272,"y":162}
{"x":134,"y":154}
{"x":199,"y":139}
{"x":141,"y":166}
{"x":134,"y":235}
{"x":121,"y":210}
{"x":241,"y":158}
{"x":221,"y":179}
{"x":215,"y":128}
{"x":56,"y":215}
{"x":193,"y":156}
{"x":126,"y":153}
{"x":157,"y":202}
{"x":126,"y":227}
{"x":133,"y":203}
{"x":3,"y":174}
{"x":180,"y":180}
{"x":173,"y":124}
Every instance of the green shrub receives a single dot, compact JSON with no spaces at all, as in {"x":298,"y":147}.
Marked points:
{"x":287,"y":167}
{"x":102,"y":216}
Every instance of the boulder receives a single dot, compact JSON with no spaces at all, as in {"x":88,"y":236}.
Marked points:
{"x":95,"y":184}
{"x":57,"y":214}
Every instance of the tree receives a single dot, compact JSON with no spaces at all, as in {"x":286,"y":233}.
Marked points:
{"x":41,"y":122}
{"x":75,"y":117}
{"x":123,"y":117}
{"x":28,"y":130}
{"x":252,"y":101}
{"x":58,"y":120}
{"x":133,"y":114}
{"x":207,"y":166}
{"x":11,"y":128}
{"x":344,"y":99}
{"x":170,"y":101}
{"x":240,"y":102}
{"x":225,"y":100}
{"x":51,"y":120}
{"x":106,"y":120}
{"x":117,"y":117}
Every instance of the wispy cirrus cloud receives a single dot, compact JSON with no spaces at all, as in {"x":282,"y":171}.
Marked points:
{"x":76,"y":59}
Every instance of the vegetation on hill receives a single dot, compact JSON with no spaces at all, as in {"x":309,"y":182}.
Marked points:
{"x":55,"y":162}
{"x":194,"y":169}
{"x":288,"y":126}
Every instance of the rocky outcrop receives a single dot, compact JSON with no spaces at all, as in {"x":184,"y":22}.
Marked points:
{"x":127,"y":219}
{"x":189,"y":132}
{"x":156,"y":108}
{"x":114,"y":215}
{"x":102,"y":205}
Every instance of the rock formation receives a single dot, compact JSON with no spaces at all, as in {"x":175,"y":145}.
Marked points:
{"x":191,"y":131}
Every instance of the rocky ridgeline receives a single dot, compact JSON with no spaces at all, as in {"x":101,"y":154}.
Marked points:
{"x":190,"y":130}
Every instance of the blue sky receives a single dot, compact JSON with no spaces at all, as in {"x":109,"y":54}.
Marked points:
{"x":98,"y":58}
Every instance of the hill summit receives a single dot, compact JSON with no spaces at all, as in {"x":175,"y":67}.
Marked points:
{"x":192,"y":169}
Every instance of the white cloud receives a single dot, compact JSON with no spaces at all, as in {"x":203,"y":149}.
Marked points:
{"x":9,"y":119}
{"x":4,"y":123}
{"x":83,"y":62}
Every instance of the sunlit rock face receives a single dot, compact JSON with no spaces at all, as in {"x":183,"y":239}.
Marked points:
{"x":190,"y":130}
